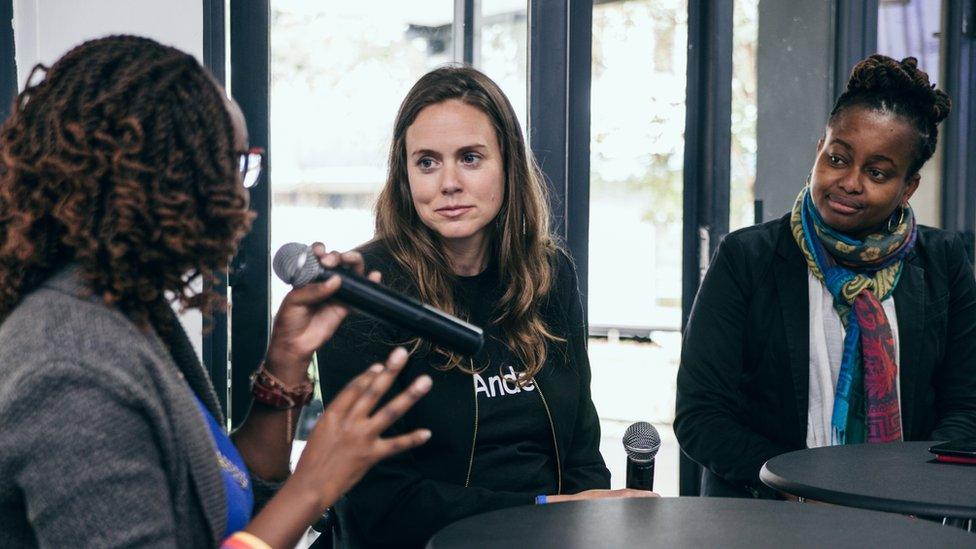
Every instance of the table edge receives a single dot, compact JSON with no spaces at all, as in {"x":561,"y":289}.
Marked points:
{"x":861,"y":501}
{"x":434,"y":543}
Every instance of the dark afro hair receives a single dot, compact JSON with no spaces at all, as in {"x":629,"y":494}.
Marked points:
{"x":900,"y":87}
{"x":122,"y":162}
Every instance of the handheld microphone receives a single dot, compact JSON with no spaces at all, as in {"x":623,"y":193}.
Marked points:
{"x":297,"y":265}
{"x":641,"y":442}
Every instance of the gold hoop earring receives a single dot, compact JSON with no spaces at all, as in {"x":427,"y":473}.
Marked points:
{"x":901,"y":218}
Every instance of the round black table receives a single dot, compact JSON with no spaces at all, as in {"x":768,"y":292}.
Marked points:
{"x":899,"y":477}
{"x":694,"y":522}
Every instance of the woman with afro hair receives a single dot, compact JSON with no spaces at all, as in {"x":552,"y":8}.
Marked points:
{"x":122,"y":179}
{"x":844,"y":321}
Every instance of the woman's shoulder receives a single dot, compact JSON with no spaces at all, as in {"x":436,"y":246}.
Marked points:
{"x":932,"y":238}
{"x":939,"y":250}
{"x":762,"y":239}
{"x":60,"y":317}
{"x":563,"y":263}
{"x":57,"y":333}
{"x":750,"y":255}
{"x":377,"y":255}
{"x":565,"y":278}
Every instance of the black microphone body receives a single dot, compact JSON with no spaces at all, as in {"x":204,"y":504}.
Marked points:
{"x":296,"y":264}
{"x":640,"y":474}
{"x":641,"y":443}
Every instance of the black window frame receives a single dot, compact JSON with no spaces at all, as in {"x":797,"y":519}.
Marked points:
{"x":560,"y":57}
{"x":707,"y":161}
{"x":215,"y":335}
{"x":8,"y":66}
{"x":250,"y":278}
{"x":855,"y":36}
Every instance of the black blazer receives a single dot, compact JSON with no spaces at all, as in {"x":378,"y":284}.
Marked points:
{"x":744,"y":373}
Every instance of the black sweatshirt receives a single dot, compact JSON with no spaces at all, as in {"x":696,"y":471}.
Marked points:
{"x":542,"y":437}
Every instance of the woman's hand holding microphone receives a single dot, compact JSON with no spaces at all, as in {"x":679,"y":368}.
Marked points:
{"x":346,"y":442}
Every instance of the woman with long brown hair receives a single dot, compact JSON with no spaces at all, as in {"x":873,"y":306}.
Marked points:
{"x":463,"y":223}
{"x":122,"y":178}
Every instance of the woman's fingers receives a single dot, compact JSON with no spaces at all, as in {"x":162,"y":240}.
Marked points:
{"x":319,"y":249}
{"x":380,"y":384}
{"x":351,"y":260}
{"x":386,"y":447}
{"x":394,"y":410}
{"x":351,"y":393}
{"x":314,"y":294}
{"x":354,"y":261}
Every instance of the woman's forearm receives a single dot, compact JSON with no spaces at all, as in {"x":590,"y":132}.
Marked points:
{"x":344,"y":444}
{"x":287,"y":515}
{"x":265,"y":439}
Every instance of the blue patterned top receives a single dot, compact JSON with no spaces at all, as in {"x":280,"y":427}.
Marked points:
{"x":237,"y":481}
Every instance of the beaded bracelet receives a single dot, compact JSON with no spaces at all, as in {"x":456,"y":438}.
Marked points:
{"x":271,"y":391}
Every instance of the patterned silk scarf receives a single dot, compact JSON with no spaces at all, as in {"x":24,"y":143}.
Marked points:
{"x":860,"y":274}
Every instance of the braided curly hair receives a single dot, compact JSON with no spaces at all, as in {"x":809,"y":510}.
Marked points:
{"x":883,"y":84}
{"x":121,"y":160}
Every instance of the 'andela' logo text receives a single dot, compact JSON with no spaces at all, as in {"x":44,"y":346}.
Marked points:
{"x":501,"y":385}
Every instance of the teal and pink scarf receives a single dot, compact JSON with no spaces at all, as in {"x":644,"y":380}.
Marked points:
{"x":860,"y":274}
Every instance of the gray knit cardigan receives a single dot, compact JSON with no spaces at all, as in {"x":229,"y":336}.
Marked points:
{"x":101,"y":441}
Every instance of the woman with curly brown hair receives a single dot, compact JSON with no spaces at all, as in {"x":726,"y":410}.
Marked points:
{"x":844,"y":321}
{"x":463,"y":223}
{"x":121,"y":188}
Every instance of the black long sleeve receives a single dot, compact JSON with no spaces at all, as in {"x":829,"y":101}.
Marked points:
{"x":711,"y":411}
{"x":584,"y":465}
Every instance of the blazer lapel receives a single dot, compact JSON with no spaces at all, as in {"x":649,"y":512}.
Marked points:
{"x":196,"y":438}
{"x":790,"y":273}
{"x":194,"y":434}
{"x":910,"y":298}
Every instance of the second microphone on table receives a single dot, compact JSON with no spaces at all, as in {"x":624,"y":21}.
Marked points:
{"x":297,"y":265}
{"x":641,"y":442}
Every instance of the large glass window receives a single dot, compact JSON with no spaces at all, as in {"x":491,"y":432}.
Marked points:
{"x":636,"y":155}
{"x":503,"y":53}
{"x":338,"y":73}
{"x":745,"y":40}
{"x":911,"y":28}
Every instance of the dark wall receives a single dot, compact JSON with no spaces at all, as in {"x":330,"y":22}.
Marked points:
{"x":794,"y":97}
{"x":8,"y":69}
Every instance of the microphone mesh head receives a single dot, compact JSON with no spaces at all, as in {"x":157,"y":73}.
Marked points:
{"x":641,"y":441}
{"x":291,"y":264}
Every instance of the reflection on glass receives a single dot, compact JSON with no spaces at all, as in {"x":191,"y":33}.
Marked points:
{"x":504,"y":49}
{"x":636,"y":155}
{"x":910,"y":28}
{"x":338,"y":73}
{"x":745,"y":35}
